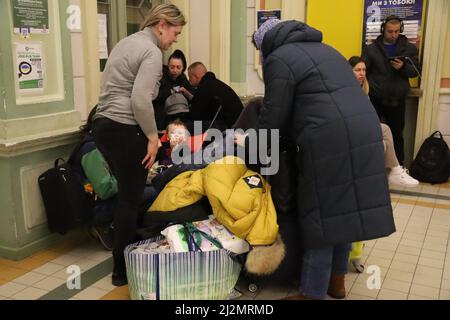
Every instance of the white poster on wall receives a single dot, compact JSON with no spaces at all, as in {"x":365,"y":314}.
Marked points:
{"x":103,"y":36}
{"x":29,"y":67}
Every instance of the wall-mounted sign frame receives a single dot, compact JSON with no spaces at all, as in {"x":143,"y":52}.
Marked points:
{"x":30,"y":15}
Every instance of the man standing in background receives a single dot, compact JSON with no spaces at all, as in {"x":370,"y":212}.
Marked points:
{"x":391,"y":61}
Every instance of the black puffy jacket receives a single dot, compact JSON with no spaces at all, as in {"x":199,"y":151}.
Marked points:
{"x":313,"y":96}
{"x":386,"y":83}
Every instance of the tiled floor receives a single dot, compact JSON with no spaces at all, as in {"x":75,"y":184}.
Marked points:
{"x":414,"y":262}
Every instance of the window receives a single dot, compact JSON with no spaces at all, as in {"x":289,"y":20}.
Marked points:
{"x":137,"y":11}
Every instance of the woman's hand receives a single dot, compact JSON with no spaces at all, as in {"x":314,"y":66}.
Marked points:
{"x":186,"y":93}
{"x":152,"y":150}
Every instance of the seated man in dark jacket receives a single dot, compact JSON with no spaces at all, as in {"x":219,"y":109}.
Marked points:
{"x":174,"y":80}
{"x":211,"y":93}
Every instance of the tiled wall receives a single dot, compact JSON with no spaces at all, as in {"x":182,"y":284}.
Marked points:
{"x":444,"y":115}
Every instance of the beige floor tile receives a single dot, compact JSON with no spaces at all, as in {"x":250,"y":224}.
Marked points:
{"x":436,"y":240}
{"x":400,"y":275}
{"x":434,"y":247}
{"x":416,"y":297}
{"x":432,"y":254}
{"x":401,"y":257}
{"x":436,"y":233}
{"x":429,"y":281}
{"x":49,"y":283}
{"x":352,"y":276}
{"x":408,"y":250}
{"x":86,"y":264}
{"x":446,"y":274}
{"x":445,"y":285}
{"x":65,"y":260}
{"x":49,"y":268}
{"x":9,"y":289}
{"x":416,"y":229}
{"x":386,"y":294}
{"x":362,"y":290}
{"x":61,"y":274}
{"x":444,"y":295}
{"x":413,"y":236}
{"x":411,"y":243}
{"x":386,"y":246}
{"x":380,"y":253}
{"x":423,"y":291}
{"x":352,"y":296}
{"x":30,"y":278}
{"x":438,"y":227}
{"x":29,"y":294}
{"x":91,"y":293}
{"x":396,"y":285}
{"x":428,"y":271}
{"x":376,"y":261}
{"x":402,"y":266}
{"x":429,"y":262}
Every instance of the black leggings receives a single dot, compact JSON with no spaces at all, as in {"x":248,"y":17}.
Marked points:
{"x":394,"y":117}
{"x":124,"y":147}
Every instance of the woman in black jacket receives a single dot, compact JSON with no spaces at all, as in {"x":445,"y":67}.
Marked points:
{"x":312,"y":97}
{"x":173,"y":80}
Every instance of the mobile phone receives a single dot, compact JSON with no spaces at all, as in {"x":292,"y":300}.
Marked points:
{"x":397,"y":57}
{"x":176,"y":89}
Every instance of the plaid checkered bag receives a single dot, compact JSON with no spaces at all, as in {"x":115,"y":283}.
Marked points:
{"x":194,"y":275}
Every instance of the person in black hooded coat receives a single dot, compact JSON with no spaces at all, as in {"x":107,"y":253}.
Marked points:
{"x":313,"y":98}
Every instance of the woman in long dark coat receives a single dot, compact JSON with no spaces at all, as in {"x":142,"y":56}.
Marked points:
{"x":313,"y":98}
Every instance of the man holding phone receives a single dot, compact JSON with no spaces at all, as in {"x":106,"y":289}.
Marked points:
{"x":391,"y":60}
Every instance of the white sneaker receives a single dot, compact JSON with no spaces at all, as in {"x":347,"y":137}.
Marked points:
{"x":402,"y":178}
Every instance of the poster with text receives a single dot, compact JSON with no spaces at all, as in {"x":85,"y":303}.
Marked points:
{"x":30,"y":16}
{"x":29,"y":66}
{"x":264,"y":15}
{"x":375,"y":11}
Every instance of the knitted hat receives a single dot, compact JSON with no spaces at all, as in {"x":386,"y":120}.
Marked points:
{"x":175,"y":104}
{"x":258,"y":36}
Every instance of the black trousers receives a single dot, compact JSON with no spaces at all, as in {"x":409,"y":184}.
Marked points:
{"x":394,"y":117}
{"x":124,"y":148}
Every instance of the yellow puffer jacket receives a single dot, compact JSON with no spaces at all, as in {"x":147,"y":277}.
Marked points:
{"x":240,"y":199}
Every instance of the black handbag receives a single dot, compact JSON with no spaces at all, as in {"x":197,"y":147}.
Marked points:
{"x":66,"y":203}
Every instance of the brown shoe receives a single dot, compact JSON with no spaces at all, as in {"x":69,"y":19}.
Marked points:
{"x":336,"y":288}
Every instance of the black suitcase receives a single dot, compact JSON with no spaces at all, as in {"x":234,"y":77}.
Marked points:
{"x":66,"y":203}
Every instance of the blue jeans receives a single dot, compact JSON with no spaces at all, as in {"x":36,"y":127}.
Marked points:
{"x":318,"y":265}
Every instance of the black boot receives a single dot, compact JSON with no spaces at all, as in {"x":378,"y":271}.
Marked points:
{"x":119,"y":276}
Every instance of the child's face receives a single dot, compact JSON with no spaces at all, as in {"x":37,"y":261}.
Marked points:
{"x":177,"y":134}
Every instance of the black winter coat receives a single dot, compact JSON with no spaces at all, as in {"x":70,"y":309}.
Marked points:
{"x":167,"y":84}
{"x":387,"y":84}
{"x":312,"y":95}
{"x":210,"y":93}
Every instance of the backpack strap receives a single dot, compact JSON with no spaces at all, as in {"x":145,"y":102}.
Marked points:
{"x":439,"y":133}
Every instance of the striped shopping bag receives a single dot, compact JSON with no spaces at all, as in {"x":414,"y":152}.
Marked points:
{"x":194,"y":275}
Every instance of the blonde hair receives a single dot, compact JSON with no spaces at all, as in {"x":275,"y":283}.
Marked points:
{"x":167,"y":12}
